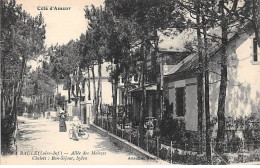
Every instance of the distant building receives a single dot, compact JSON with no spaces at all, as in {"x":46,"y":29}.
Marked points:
{"x":83,"y":108}
{"x":168,"y":58}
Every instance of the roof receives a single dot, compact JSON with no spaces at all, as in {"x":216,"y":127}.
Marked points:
{"x":173,"y":58}
{"x":179,"y":65}
{"x":191,"y":62}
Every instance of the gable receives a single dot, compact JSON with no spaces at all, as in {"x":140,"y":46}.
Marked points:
{"x":215,"y":48}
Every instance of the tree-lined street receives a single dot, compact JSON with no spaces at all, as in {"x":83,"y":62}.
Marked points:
{"x":43,"y":135}
{"x":156,"y":73}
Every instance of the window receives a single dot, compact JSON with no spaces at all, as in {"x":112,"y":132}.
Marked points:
{"x":180,"y":101}
{"x":136,"y":78}
{"x":255,"y":58}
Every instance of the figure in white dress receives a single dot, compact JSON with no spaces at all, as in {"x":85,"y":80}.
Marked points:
{"x":75,"y":128}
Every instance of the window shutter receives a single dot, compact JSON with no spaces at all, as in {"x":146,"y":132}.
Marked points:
{"x":176,"y":102}
{"x":184,"y":101}
{"x":180,"y":101}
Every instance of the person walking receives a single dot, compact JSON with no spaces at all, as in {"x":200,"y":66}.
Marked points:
{"x":62,"y":120}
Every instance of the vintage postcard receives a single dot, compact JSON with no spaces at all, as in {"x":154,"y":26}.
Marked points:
{"x":130,"y":82}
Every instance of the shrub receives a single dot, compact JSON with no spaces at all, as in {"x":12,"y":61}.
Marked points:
{"x":163,"y":153}
{"x":172,"y":129}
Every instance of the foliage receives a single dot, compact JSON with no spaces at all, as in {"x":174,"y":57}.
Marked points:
{"x":65,"y":64}
{"x":190,"y":159}
{"x":167,"y":121}
{"x":124,"y":32}
{"x":172,"y":129}
{"x":60,"y":100}
{"x":22,"y":39}
{"x":249,"y":125}
{"x":39,"y":87}
{"x":251,"y":131}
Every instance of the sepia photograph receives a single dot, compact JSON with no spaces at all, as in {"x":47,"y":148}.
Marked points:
{"x":130,"y":82}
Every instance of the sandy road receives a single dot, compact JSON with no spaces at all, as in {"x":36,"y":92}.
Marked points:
{"x":40,"y":142}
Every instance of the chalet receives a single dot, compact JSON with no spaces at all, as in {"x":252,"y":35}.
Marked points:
{"x":243,"y":88}
{"x":169,"y":57}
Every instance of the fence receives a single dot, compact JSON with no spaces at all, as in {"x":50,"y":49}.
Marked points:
{"x":181,"y":152}
{"x":239,"y":146}
{"x":154,"y":145}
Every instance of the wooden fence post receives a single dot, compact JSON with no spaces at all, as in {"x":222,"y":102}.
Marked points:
{"x":158,"y":143}
{"x":138,"y":138}
{"x":147,"y":143}
{"x":171,"y":152}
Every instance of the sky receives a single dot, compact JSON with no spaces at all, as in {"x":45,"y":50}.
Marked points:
{"x":61,"y":25}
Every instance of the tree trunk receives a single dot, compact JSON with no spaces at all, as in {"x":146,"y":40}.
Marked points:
{"x":49,"y":103}
{"x":89,"y":95}
{"x":1,"y":77}
{"x":207,"y":106}
{"x":258,"y":22}
{"x":69,"y":88}
{"x":13,"y":99}
{"x":17,"y":97}
{"x":76,"y":95}
{"x":256,"y":19}
{"x":114,"y":115}
{"x":100,"y":101}
{"x":143,"y":110}
{"x":3,"y":85}
{"x":54,"y":101}
{"x":98,"y":89}
{"x":115,"y":86}
{"x":20,"y":86}
{"x":158,"y":81}
{"x":80,"y":95}
{"x":3,"y":105}
{"x":126,"y":84}
{"x":94,"y":93}
{"x":223,"y":83}
{"x":199,"y":77}
{"x":57,"y":88}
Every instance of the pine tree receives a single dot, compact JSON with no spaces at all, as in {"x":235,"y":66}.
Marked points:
{"x":22,"y":39}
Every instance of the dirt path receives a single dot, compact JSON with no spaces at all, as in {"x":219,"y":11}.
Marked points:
{"x":40,"y":142}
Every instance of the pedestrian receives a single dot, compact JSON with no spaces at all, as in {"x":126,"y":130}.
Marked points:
{"x":75,"y":128}
{"x":62,"y":120}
